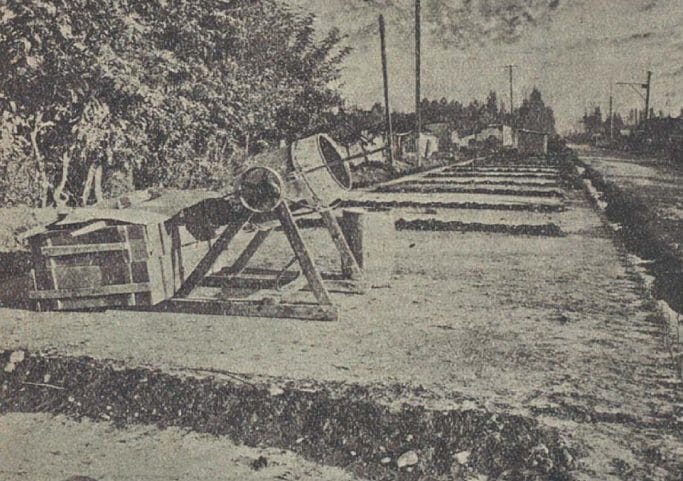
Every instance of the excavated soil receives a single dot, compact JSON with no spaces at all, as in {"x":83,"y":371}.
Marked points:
{"x":343,"y":428}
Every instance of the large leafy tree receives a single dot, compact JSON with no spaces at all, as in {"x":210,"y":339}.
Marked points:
{"x":534,"y":114}
{"x":171,"y":92}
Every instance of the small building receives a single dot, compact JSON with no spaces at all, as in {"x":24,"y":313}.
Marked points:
{"x":500,"y":133}
{"x":464,"y":142}
{"x":532,"y":142}
{"x":443,"y":131}
{"x":404,"y":145}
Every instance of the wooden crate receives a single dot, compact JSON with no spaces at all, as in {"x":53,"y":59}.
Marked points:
{"x":105,"y":264}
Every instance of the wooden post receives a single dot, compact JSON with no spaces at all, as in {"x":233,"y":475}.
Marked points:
{"x":249,"y":251}
{"x":418,"y":117}
{"x":315,"y":280}
{"x":647,"y":85}
{"x":209,"y":259}
{"x":371,"y":237}
{"x":387,"y":108}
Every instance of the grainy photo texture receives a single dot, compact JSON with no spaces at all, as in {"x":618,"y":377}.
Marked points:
{"x":301,"y":240}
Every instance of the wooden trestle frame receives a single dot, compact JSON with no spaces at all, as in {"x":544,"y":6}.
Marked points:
{"x":322,"y":309}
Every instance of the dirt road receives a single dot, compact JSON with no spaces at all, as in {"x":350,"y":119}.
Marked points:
{"x":555,"y":329}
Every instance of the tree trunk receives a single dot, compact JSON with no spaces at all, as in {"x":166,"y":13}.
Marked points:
{"x":87,"y":187}
{"x":98,"y":183}
{"x":38,"y":124}
{"x":60,"y":197}
{"x":130,"y":176}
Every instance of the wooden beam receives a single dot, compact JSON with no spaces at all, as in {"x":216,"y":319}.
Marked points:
{"x":203,"y":267}
{"x":89,"y":228}
{"x":249,"y":251}
{"x":348,"y":259}
{"x":53,"y":251}
{"x":239,"y":307}
{"x":91,"y":291}
{"x":302,"y":254}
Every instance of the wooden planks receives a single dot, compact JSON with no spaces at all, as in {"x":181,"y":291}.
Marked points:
{"x":55,"y":251}
{"x":90,"y":291}
{"x":202,"y":269}
{"x":95,"y":265}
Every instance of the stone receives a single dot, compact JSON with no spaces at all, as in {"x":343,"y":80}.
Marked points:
{"x":409,"y":458}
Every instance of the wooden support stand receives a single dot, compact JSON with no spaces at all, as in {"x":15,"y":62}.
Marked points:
{"x":268,"y":300}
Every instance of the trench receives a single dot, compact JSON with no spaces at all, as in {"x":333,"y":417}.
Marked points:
{"x":639,"y":234}
{"x":373,"y":204}
{"x":340,"y":426}
{"x":453,"y":189}
{"x":436,"y":225}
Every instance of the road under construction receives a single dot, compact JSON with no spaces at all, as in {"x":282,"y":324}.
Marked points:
{"x":503,"y":332}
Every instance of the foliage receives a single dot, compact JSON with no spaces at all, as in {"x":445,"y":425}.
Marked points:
{"x":533,"y":114}
{"x":349,"y":124}
{"x":171,"y":92}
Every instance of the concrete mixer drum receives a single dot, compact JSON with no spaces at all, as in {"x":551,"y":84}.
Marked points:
{"x":322,"y":168}
{"x":310,"y":171}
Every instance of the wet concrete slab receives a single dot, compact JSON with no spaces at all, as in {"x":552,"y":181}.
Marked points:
{"x":522,"y":182}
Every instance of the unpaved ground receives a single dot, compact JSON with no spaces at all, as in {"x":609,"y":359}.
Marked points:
{"x":659,"y":185}
{"x":552,"y":328}
{"x":42,"y":447}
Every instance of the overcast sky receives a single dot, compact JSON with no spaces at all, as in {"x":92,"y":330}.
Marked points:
{"x":570,"y":49}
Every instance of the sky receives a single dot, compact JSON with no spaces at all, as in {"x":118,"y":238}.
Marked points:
{"x":570,"y":49}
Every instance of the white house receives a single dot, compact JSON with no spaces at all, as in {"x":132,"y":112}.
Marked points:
{"x":500,"y":132}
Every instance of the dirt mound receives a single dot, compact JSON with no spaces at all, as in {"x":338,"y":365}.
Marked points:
{"x":550,"y":230}
{"x":344,"y":427}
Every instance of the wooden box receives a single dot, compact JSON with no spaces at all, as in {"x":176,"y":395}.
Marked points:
{"x":105,"y":264}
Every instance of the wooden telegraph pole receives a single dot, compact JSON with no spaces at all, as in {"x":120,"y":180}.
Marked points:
{"x":418,"y":119}
{"x":611,"y":114}
{"x":512,"y":99}
{"x":387,"y":109}
{"x":645,"y":86}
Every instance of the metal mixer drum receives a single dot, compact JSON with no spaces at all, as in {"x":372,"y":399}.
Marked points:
{"x":322,"y":168}
{"x":311,"y":170}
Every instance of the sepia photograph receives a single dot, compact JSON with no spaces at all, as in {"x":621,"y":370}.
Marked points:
{"x":341,"y":240}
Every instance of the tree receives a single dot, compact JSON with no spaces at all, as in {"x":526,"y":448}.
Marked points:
{"x":169,"y":92}
{"x":593,"y":123}
{"x":533,"y":114}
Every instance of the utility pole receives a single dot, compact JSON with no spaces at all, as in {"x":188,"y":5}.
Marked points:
{"x":611,"y":115}
{"x":512,"y":99}
{"x":418,"y":117}
{"x":646,"y":86}
{"x":643,"y":86}
{"x":387,"y":109}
